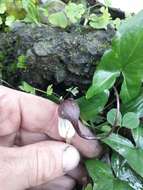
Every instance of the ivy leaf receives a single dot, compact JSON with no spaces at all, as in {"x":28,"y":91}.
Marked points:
{"x":111,"y":116}
{"x":124,"y":58}
{"x":101,"y":21}
{"x":27,"y":88}
{"x":98,"y":86}
{"x":125,"y":148}
{"x":124,"y":172}
{"x":130,"y":120}
{"x":58,"y":19}
{"x":90,"y":108}
{"x":103,"y":178}
{"x":74,"y":12}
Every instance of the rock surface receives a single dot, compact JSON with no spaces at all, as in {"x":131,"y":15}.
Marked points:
{"x":53,"y":55}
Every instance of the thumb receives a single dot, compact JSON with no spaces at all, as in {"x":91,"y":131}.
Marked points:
{"x":32,"y":165}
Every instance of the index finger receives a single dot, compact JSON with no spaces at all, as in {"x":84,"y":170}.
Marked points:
{"x":39,"y":115}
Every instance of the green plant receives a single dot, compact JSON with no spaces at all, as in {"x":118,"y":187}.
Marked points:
{"x":123,"y":64}
{"x":54,"y":12}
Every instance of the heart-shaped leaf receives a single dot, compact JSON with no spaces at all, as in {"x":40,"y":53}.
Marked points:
{"x":58,"y":19}
{"x":111,"y":116}
{"x":124,"y":172}
{"x":130,"y":120}
{"x":125,"y":57}
{"x":103,"y":178}
{"x":133,"y":155}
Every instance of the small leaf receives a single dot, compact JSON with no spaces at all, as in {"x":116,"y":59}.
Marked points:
{"x":27,"y":88}
{"x":74,"y":12}
{"x":21,"y":62}
{"x":9,"y":20}
{"x":49,"y":90}
{"x":130,"y":120}
{"x":111,"y":116}
{"x":2,"y":8}
{"x":58,"y":19}
{"x":100,"y":21}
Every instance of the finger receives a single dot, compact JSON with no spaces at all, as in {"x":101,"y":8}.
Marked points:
{"x":9,"y":112}
{"x":61,"y":183}
{"x":79,"y":174}
{"x":41,"y":116}
{"x":89,"y":148}
{"x":18,"y":109}
{"x":8,"y":140}
{"x":25,"y":137}
{"x":35,"y":164}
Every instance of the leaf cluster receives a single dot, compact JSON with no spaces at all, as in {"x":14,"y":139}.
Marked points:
{"x":120,"y":66}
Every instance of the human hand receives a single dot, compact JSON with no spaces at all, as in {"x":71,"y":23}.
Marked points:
{"x":27,"y":119}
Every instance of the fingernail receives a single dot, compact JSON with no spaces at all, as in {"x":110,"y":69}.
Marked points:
{"x":71,"y":158}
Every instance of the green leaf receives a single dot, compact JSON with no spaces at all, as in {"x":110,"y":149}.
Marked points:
{"x":108,"y":79}
{"x":2,"y":7}
{"x":103,"y":178}
{"x":138,"y":136}
{"x":100,"y":21}
{"x":32,"y":11}
{"x":125,"y":58}
{"x":124,"y":172}
{"x":9,"y":20}
{"x":49,"y":90}
{"x":135,"y":105}
{"x":21,"y":62}
{"x":128,"y":151}
{"x":27,"y":88}
{"x":74,"y":12}
{"x":111,"y":116}
{"x":90,"y":108}
{"x":130,"y":120}
{"x":58,"y":19}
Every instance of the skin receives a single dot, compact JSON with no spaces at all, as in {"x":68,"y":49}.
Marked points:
{"x":27,"y":119}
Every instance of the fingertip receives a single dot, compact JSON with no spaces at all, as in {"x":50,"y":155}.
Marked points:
{"x":71,"y":158}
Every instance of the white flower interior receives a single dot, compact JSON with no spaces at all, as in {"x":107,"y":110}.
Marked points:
{"x":66,"y":129}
